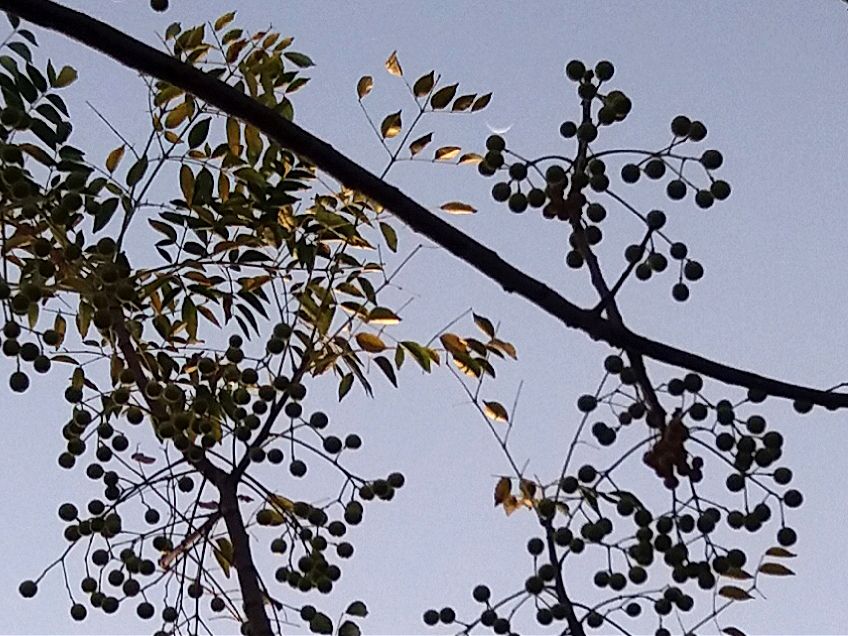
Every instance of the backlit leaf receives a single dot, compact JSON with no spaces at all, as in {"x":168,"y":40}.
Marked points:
{"x":485,"y":325}
{"x":382,"y":316}
{"x":481,"y":102}
{"x":463,"y":103}
{"x":370,"y":342}
{"x":470,"y":158}
{"x":393,"y":65}
{"x":391,"y":125}
{"x":447,"y":152}
{"x":443,"y":96}
{"x":453,"y":343}
{"x":419,"y":144}
{"x":424,"y":84}
{"x":495,"y":411}
{"x":735,"y":593}
{"x":458,"y":207}
{"x":502,"y":490}
{"x":364,"y":86}
{"x":66,"y":77}
{"x":776,"y":569}
{"x":114,"y":158}
{"x":224,"y":20}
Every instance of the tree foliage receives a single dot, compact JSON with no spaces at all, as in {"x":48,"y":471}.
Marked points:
{"x":190,"y":365}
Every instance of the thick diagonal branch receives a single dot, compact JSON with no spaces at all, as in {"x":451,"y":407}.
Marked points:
{"x":137,"y":55}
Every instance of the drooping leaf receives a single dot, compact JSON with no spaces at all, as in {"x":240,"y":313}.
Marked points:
{"x":114,"y":158}
{"x":136,"y":171}
{"x":776,"y":569}
{"x":446,"y":152}
{"x":364,"y":86}
{"x":345,"y":385}
{"x":419,"y":144}
{"x":393,"y":65}
{"x":481,"y":102}
{"x":386,"y":368}
{"x":370,"y":342}
{"x":389,"y":235}
{"x":457,"y":207}
{"x":502,"y":490}
{"x":391,"y":125}
{"x":424,"y":84}
{"x":734,"y":593}
{"x":443,"y":96}
{"x":495,"y":411}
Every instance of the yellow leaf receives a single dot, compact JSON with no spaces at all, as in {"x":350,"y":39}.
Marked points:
{"x":282,"y":503}
{"x":457,"y":207}
{"x":114,"y":158}
{"x":391,"y":125}
{"x":364,"y":86}
{"x":171,"y":137}
{"x":470,"y":157}
{"x":187,"y":183}
{"x":66,"y":77}
{"x":453,"y":343}
{"x":393,"y":65}
{"x":776,"y":569}
{"x":502,"y":490}
{"x":177,"y":116}
{"x":511,"y":504}
{"x":224,"y":20}
{"x":735,"y":593}
{"x":382,"y":316}
{"x":495,"y":411}
{"x":370,"y":343}
{"x":233,"y":136}
{"x":253,"y":140}
{"x":447,"y":152}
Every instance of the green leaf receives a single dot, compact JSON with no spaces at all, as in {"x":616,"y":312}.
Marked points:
{"x":136,"y":171}
{"x":419,"y":352}
{"x":321,"y":624}
{"x":349,"y":628}
{"x":21,"y":49}
{"x":443,"y":96}
{"x":189,"y":316}
{"x":389,"y":235}
{"x":386,"y":368}
{"x":424,"y":84}
{"x":198,"y":133}
{"x":345,"y":385}
{"x":299,"y":59}
{"x":357,"y":608}
{"x":66,"y":77}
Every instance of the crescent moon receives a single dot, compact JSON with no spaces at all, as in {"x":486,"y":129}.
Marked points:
{"x":498,"y":131}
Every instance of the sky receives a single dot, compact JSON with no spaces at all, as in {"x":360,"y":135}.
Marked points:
{"x":769,"y":81}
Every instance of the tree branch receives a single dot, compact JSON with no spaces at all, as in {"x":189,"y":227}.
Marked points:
{"x":137,"y":55}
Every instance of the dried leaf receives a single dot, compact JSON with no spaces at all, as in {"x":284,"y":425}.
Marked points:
{"x":391,"y":125}
{"x":527,"y":488}
{"x":495,"y":411}
{"x":511,"y":504}
{"x":393,"y":65}
{"x":458,"y":207}
{"x":364,"y":86}
{"x":447,"y":152}
{"x":141,"y":458}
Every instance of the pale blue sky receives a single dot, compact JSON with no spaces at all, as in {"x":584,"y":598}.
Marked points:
{"x":769,"y":80}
